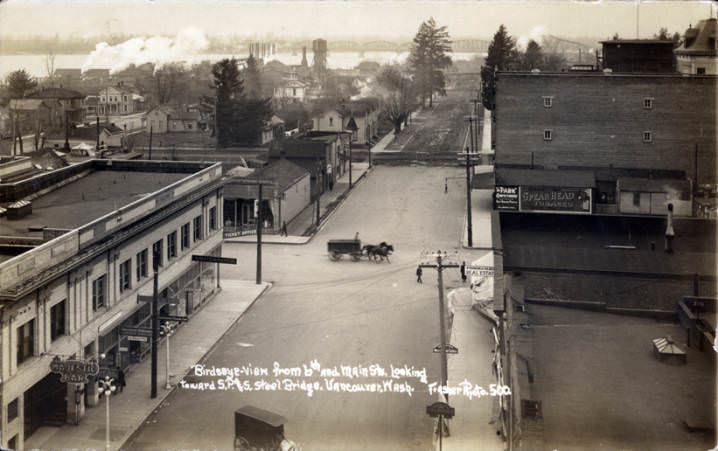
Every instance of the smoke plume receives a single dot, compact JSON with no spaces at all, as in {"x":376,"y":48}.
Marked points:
{"x":158,"y":50}
{"x":537,"y":33}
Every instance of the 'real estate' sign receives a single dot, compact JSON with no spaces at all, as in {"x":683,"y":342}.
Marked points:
{"x":554,"y":200}
{"x":506,"y":198}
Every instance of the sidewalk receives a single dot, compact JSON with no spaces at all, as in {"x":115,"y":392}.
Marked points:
{"x":188,"y":345}
{"x":484,"y":221}
{"x":298,"y":226}
{"x":471,"y":334}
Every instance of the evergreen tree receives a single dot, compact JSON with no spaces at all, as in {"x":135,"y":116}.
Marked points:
{"x":502,"y":56}
{"x":240,"y":119}
{"x":19,"y":84}
{"x":533,"y":57}
{"x":252,"y":79}
{"x":229,"y":90}
{"x":428,"y":59}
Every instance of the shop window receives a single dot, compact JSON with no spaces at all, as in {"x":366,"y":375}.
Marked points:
{"x":172,"y":245}
{"x":185,"y":236}
{"x":198,"y":228}
{"x":648,"y":103}
{"x":157,"y":254}
{"x":636,"y":199}
{"x":647,"y":137}
{"x":141,"y":264}
{"x":25,"y":341}
{"x":213,"y":218}
{"x":57,"y":320}
{"x":700,"y":71}
{"x":547,"y":135}
{"x":331,"y":121}
{"x":98,"y":292}
{"x":547,"y":101}
{"x":12,"y":411}
{"x":125,"y":268}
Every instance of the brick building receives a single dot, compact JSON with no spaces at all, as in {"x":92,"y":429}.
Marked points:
{"x":639,"y":55}
{"x":613,"y":126}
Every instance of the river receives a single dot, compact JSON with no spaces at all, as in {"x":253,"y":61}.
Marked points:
{"x":35,"y":63}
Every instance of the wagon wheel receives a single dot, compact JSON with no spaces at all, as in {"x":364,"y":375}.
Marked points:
{"x":356,"y":256}
{"x":334,"y":255}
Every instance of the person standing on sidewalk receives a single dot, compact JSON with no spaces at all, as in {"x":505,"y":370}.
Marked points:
{"x":418,"y":274}
{"x":120,"y":379}
{"x":284,"y":228}
{"x":463,"y":271}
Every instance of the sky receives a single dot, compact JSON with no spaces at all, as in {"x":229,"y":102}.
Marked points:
{"x":350,"y":18}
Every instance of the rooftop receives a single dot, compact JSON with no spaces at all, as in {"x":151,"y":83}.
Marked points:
{"x":701,"y":40}
{"x":57,"y":93}
{"x":86,"y":199}
{"x":639,"y":41}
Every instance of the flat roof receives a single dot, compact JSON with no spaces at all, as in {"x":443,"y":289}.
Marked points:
{"x":87,"y":199}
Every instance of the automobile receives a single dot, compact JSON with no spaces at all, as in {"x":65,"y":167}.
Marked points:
{"x":257,"y":429}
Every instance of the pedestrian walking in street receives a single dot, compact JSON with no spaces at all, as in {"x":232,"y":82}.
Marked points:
{"x":418,"y":274}
{"x":120,"y":379}
{"x":463,"y":272}
{"x":446,"y":186}
{"x":670,"y":233}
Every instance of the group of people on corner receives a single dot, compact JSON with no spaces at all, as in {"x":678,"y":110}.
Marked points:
{"x":462,"y":269}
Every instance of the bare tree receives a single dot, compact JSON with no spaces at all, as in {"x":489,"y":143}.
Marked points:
{"x":50,"y":68}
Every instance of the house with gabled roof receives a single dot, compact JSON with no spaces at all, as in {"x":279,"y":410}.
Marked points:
{"x":698,"y":53}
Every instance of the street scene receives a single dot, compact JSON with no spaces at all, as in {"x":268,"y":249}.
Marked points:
{"x":358,"y":226}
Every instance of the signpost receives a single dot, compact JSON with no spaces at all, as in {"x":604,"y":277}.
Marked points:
{"x":138,"y":338}
{"x":213,"y":259}
{"x":136,"y":331}
{"x":74,"y":371}
{"x":441,"y":410}
{"x":449,"y":349}
{"x":173,"y":318}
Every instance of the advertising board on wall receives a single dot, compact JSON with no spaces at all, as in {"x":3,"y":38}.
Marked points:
{"x":555,"y":200}
{"x":543,"y":199}
{"x":506,"y":198}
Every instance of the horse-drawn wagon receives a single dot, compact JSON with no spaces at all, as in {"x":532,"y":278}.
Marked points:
{"x":353,"y":248}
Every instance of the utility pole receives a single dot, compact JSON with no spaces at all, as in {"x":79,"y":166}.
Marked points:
{"x":259,"y":235}
{"x":350,"y":163}
{"x":150,"y":142}
{"x":97,"y":126}
{"x":470,"y":158}
{"x":155,"y":326}
{"x":476,"y":101}
{"x":67,"y":133}
{"x":439,"y":266}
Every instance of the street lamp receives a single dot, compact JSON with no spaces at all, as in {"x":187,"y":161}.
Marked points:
{"x":167,"y":330}
{"x":107,"y":387}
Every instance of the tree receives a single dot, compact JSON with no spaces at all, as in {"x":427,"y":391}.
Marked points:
{"x":533,"y":57}
{"x":396,"y":93}
{"x":228,"y":87}
{"x":168,"y":83}
{"x":664,"y":35}
{"x":19,"y":84}
{"x":429,"y":58}
{"x":502,"y":55}
{"x":252,"y":79}
{"x":239,"y":119}
{"x":50,"y":67}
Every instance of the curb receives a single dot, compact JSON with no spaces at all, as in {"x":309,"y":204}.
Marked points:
{"x":167,"y":393}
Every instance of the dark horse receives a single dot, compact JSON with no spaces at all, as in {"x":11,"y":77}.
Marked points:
{"x":379,"y":252}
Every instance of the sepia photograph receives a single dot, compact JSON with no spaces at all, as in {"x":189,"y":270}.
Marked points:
{"x":284,"y":225}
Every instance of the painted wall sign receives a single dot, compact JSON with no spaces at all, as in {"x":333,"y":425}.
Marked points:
{"x":554,"y":200}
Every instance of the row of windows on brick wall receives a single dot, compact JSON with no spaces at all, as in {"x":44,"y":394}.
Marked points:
{"x":647,"y":102}
{"x":548,"y":136}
